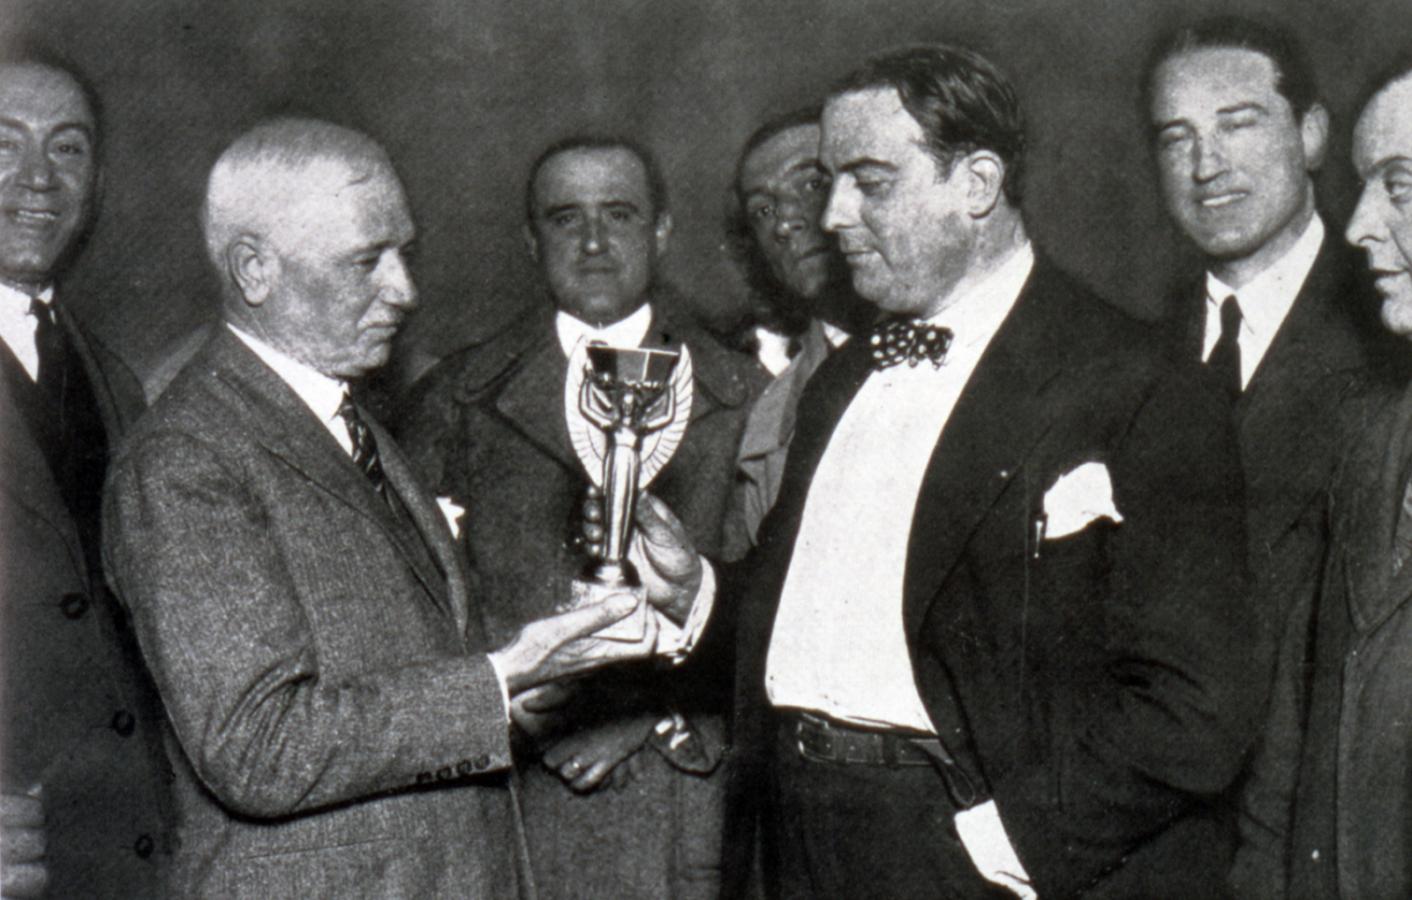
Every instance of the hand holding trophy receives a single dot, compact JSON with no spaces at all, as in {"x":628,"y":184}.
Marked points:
{"x":627,"y":410}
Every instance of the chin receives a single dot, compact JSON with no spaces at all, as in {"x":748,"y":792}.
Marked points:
{"x":1396,"y":313}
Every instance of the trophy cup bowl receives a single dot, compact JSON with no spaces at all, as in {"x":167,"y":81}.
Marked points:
{"x":627,"y":409}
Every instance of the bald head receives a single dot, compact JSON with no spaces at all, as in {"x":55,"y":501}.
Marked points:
{"x":308,"y":228}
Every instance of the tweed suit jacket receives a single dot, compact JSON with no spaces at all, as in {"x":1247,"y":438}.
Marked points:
{"x":335,"y":728}
{"x":76,"y":713}
{"x":1097,"y":685}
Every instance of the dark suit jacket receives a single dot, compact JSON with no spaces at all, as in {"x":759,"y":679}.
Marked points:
{"x":1102,"y":684}
{"x":335,"y":729}
{"x":78,"y":715}
{"x":1326,"y":352}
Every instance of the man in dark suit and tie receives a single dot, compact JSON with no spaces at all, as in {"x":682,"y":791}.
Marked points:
{"x":1283,"y":315}
{"x":84,"y":781}
{"x":338,"y":727}
{"x":995,"y":637}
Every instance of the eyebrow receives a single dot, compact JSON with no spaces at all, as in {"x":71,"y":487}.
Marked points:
{"x":866,"y":162}
{"x":62,"y":126}
{"x":1248,"y":106}
{"x":570,"y":207}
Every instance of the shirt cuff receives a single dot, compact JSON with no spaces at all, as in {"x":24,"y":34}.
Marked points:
{"x":504,"y":686}
{"x":983,"y":835}
{"x":674,"y":641}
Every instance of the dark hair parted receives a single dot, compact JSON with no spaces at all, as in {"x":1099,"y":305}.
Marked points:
{"x":740,"y":237}
{"x":24,"y":50}
{"x":656,"y":184}
{"x":960,"y":99}
{"x":1294,"y":76}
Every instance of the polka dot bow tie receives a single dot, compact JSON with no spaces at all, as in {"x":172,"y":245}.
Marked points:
{"x":910,"y":341}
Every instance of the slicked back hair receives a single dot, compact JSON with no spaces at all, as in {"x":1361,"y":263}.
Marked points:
{"x":656,"y":184}
{"x":28,"y":51}
{"x":960,"y":99}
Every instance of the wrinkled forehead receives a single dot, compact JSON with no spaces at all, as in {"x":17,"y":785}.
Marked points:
{"x":592,"y":176}
{"x":1384,"y":130}
{"x":323,"y":199}
{"x":40,"y":97}
{"x":791,"y":150}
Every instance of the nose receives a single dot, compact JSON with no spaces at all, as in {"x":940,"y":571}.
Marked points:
{"x":37,"y":169}
{"x":399,"y":288}
{"x":1363,"y":227}
{"x":591,"y":240}
{"x":1210,"y":159}
{"x":842,"y":209}
{"x":791,"y":219}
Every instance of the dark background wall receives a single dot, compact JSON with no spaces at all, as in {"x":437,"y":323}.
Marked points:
{"x":465,"y":92}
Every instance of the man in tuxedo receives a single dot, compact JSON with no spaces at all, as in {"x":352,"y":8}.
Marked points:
{"x":1328,"y":811}
{"x":84,"y":807}
{"x":801,"y":283}
{"x":995,"y":637}
{"x":1282,"y":315}
{"x":627,"y":800}
{"x":338,"y":727}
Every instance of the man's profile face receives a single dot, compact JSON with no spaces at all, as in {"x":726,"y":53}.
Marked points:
{"x":1232,"y":157}
{"x":595,"y":232}
{"x":343,"y":286}
{"x":48,"y":169}
{"x":784,"y":190}
{"x":901,"y":222}
{"x":1382,"y":222}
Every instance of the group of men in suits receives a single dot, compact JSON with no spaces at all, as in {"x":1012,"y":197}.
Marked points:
{"x":1020,"y":579}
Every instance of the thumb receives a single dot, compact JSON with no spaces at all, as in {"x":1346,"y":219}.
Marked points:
{"x":586,"y":620}
{"x":657,"y":522}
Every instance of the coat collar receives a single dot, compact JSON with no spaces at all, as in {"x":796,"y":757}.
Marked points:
{"x":281,"y":423}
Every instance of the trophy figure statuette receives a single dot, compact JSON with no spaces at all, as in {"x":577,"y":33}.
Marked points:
{"x":626,"y":409}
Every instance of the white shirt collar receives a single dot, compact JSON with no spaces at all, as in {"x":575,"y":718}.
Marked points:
{"x":1266,"y":300}
{"x":626,"y":332}
{"x":975,"y":316}
{"x":836,"y":336}
{"x":322,"y":394}
{"x":17,"y":326}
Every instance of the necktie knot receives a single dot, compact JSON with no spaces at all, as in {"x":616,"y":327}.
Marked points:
{"x":42,"y":312}
{"x":908,"y":340}
{"x":1230,"y":317}
{"x":1224,"y":361}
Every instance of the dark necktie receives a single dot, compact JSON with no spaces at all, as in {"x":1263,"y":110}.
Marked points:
{"x":365,"y":446}
{"x":1224,"y":361}
{"x":49,"y":345}
{"x":908,"y":340}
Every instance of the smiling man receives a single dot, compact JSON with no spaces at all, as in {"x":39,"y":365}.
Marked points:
{"x":1282,"y":316}
{"x":83,"y":775}
{"x":620,"y":799}
{"x":1326,"y":813}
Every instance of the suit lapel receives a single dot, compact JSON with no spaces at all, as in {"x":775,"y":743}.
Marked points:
{"x":1382,"y":464}
{"x":284,"y":426}
{"x":532,"y":400}
{"x":982,"y":449}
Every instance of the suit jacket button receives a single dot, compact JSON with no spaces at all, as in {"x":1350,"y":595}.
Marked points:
{"x":464,"y":768}
{"x":144,"y":846}
{"x":73,"y":605}
{"x":424,"y":778}
{"x":483,"y":761}
{"x":123,"y":723}
{"x":445,"y":773}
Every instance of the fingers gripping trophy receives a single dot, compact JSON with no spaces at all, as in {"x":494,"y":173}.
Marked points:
{"x":627,"y":410}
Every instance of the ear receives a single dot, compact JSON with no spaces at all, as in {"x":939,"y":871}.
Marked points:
{"x":531,"y":242}
{"x":1314,"y":133}
{"x":986,"y":179}
{"x":662,"y":231}
{"x":249,"y":269}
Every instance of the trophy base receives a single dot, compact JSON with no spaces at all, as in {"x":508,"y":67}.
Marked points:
{"x":629,"y":629}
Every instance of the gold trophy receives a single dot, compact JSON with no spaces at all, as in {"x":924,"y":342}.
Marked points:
{"x":626,"y":409}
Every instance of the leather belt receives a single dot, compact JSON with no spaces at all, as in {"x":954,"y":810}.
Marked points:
{"x":821,"y":740}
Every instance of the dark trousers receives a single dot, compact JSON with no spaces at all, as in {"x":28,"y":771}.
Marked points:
{"x":837,"y":831}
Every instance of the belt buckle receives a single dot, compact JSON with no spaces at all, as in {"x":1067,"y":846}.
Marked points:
{"x":814,"y":739}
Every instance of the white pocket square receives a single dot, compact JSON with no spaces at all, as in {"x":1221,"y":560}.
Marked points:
{"x":1077,"y":498}
{"x":453,"y":512}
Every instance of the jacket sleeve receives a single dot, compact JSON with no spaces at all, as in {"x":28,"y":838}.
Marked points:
{"x":1186,"y":664}
{"x":196,"y":557}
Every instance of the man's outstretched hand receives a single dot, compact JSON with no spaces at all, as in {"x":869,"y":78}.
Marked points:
{"x":564,"y":645}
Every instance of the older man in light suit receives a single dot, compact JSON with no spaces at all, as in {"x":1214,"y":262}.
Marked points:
{"x":338,"y":726}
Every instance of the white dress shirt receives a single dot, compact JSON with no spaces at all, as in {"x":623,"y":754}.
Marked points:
{"x":17,"y":326}
{"x":626,"y":332}
{"x":322,"y":394}
{"x":1264,"y":302}
{"x":838,"y":645}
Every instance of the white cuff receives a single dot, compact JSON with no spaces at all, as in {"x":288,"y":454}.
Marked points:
{"x":983,"y":835}
{"x":676,"y":641}
{"x":504,"y":686}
